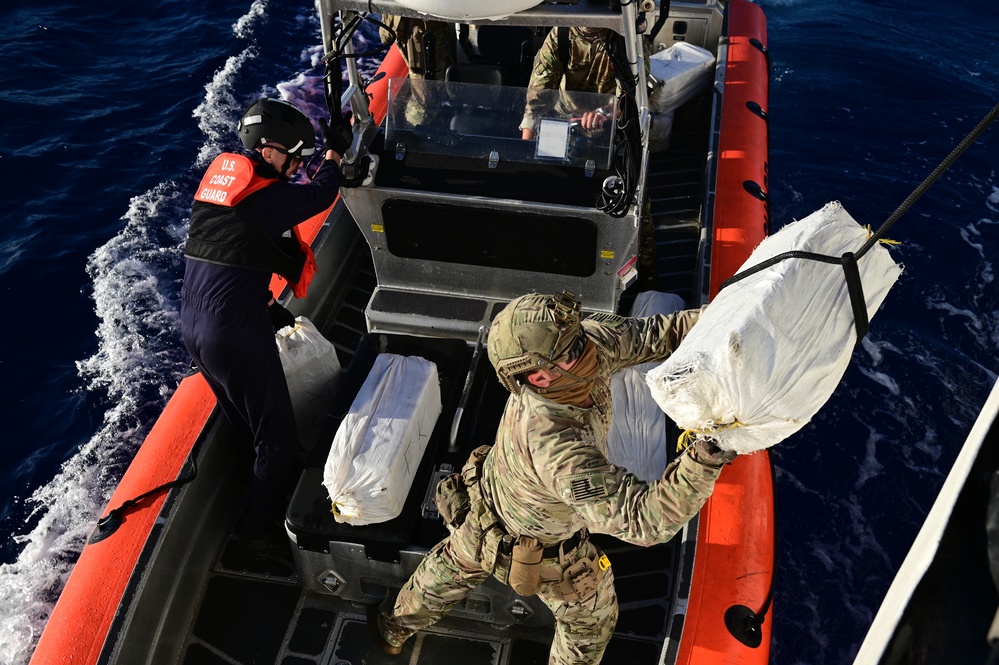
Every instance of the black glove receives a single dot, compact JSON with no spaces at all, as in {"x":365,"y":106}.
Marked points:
{"x":338,"y":137}
{"x":280,"y":317}
{"x":707,"y":452}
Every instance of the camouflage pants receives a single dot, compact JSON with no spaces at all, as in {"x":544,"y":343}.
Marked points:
{"x":453,"y":569}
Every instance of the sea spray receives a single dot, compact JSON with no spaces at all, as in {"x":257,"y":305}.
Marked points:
{"x":139,"y":361}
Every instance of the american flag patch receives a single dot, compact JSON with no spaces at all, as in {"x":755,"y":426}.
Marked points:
{"x":584,"y":486}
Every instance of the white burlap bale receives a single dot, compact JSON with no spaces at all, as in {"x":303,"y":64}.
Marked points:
{"x":678,"y":74}
{"x":768,"y":352}
{"x":637,"y":437}
{"x":312,"y":371}
{"x":378,"y":446}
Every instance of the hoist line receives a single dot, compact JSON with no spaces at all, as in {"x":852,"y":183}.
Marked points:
{"x":849,"y":259}
{"x":958,"y":150}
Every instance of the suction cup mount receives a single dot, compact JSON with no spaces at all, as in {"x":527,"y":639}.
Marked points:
{"x":744,"y":625}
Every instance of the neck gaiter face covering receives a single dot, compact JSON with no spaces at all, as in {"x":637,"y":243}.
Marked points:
{"x":573,"y":386}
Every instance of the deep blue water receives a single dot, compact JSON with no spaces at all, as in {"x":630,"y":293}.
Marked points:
{"x":112,"y":109}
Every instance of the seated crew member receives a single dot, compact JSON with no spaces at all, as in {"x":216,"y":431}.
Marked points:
{"x":582,"y":64}
{"x":546,"y":483}
{"x":243,"y":208}
{"x":587,"y":68}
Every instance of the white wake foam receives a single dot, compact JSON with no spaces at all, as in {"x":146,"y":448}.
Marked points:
{"x":139,"y":361}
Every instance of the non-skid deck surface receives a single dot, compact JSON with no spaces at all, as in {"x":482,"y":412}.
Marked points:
{"x":242,"y":620}
{"x":352,"y":643}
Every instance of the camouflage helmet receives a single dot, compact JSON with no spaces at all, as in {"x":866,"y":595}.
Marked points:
{"x":533,"y":332}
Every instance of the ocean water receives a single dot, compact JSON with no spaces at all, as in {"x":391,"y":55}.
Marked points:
{"x":113,"y":109}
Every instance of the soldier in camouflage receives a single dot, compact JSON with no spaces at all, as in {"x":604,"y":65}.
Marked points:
{"x":589,"y":69}
{"x":414,"y":37}
{"x":547,"y":481}
{"x":429,"y":48}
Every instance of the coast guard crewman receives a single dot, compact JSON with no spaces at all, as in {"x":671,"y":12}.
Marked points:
{"x":522,"y":510}
{"x":242,"y":213}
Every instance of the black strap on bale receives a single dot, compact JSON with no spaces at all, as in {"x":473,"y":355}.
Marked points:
{"x":849,"y":260}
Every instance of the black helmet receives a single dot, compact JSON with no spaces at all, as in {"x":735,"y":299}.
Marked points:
{"x":274,"y":121}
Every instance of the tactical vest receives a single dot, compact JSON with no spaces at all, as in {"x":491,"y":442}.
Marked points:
{"x":226,"y":232}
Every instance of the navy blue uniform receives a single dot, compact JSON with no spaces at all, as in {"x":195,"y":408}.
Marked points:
{"x":228,"y":331}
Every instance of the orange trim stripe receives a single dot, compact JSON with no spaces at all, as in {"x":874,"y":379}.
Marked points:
{"x":81,"y":619}
{"x":733,"y":565}
{"x":741,"y":220}
{"x":735,"y":539}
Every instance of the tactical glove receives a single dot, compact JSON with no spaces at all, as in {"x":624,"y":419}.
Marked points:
{"x":280,"y":317}
{"x":339,"y":136}
{"x":707,"y":452}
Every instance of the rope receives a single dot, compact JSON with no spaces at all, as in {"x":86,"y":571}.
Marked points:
{"x":932,"y":177}
{"x":688,"y":435}
{"x":108,"y":524}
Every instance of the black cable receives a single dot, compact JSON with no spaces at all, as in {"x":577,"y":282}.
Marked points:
{"x":626,"y":161}
{"x":932,"y":178}
{"x":108,"y":524}
{"x":333,"y":75}
{"x":761,"y":614}
{"x":660,"y":20}
{"x":743,"y":623}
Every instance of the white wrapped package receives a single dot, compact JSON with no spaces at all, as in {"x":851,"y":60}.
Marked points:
{"x":378,"y":446}
{"x":770,"y":349}
{"x":679,"y":74}
{"x":637,"y":437}
{"x":312,"y":371}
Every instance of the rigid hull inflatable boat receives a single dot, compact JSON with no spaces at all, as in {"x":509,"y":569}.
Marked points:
{"x":453,"y":216}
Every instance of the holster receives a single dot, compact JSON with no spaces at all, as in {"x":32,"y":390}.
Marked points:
{"x":578,"y":581}
{"x":413,"y":50}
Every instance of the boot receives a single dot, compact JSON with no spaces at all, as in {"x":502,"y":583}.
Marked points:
{"x":376,"y":633}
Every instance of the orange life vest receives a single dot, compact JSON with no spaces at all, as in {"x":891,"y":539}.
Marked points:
{"x":229,"y":180}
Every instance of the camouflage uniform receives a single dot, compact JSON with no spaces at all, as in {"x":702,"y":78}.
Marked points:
{"x":409,"y":35}
{"x":589,"y":70}
{"x":548,"y":477}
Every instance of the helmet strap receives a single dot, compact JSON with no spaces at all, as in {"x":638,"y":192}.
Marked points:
{"x":283,"y":173}
{"x":284,"y":168}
